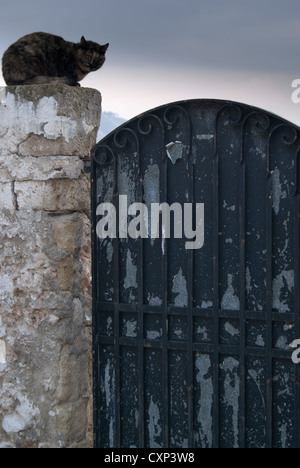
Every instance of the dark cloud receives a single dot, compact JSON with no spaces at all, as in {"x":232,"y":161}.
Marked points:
{"x":166,"y":50}
{"x":258,"y":34}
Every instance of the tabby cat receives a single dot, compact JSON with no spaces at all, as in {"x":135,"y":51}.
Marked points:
{"x":40,"y":58}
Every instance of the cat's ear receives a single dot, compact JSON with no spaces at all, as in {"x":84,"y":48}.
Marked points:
{"x":83,"y":41}
{"x":105,"y":47}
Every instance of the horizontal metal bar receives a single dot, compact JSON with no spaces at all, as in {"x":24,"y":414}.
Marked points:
{"x":204,"y":348}
{"x":197,"y":312}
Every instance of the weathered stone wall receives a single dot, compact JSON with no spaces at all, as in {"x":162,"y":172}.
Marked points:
{"x":45,"y":271}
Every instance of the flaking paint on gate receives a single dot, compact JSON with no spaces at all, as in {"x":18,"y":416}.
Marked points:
{"x":192,"y":348}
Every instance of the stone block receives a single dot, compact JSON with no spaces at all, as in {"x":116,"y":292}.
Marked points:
{"x":65,"y":231}
{"x":48,"y":120}
{"x":54,"y":195}
{"x":71,"y":422}
{"x":16,"y":168}
{"x":66,"y":274}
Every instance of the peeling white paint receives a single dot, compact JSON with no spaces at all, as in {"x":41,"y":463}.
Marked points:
{"x":131,"y":273}
{"x":24,"y":118}
{"x":154,"y":301}
{"x":283,"y":284}
{"x":206,"y":305}
{"x":230,"y":301}
{"x":230,"y":329}
{"x":205,"y":137}
{"x":178,"y":332}
{"x":232,"y":394}
{"x":153,"y":335}
{"x":151,"y":185}
{"x":202,"y":331}
{"x":260,"y":341}
{"x":60,"y":127}
{"x":109,"y":251}
{"x":130,"y":327}
{"x":180,"y":288}
{"x":151,"y":190}
{"x":154,"y":427}
{"x":282,"y":343}
{"x":109,"y":387}
{"x":248,"y":281}
{"x":278,"y":193}
{"x":174,"y":151}
{"x":126,"y":181}
{"x":227,"y":207}
{"x":203,"y":366}
{"x":283,"y":430}
{"x":108,"y":323}
{"x":108,"y":383}
{"x":255,"y":376}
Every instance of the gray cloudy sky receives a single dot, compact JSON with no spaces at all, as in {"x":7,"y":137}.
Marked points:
{"x":166,"y":50}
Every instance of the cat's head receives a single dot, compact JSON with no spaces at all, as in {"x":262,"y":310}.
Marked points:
{"x":90,"y":55}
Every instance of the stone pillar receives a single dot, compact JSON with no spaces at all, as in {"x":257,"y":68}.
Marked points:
{"x":45,"y":265}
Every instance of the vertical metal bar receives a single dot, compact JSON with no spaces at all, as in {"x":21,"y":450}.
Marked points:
{"x":164,"y":272}
{"x":94,"y":308}
{"x":141,"y":372}
{"x":297,"y":294}
{"x":121,"y":141}
{"x":102,"y":156}
{"x":242,"y":278}
{"x":269,"y":304}
{"x":141,"y":415}
{"x":216,"y":392}
{"x":190,"y":318}
{"x":117,"y":427}
{"x":242,"y":229}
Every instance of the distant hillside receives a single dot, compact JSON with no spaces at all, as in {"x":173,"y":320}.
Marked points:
{"x":109,"y":121}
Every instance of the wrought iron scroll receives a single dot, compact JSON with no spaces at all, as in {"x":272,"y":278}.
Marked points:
{"x":171,"y":118}
{"x":104,"y":156}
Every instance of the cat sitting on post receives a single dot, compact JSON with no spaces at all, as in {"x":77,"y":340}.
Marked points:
{"x":41,"y":58}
